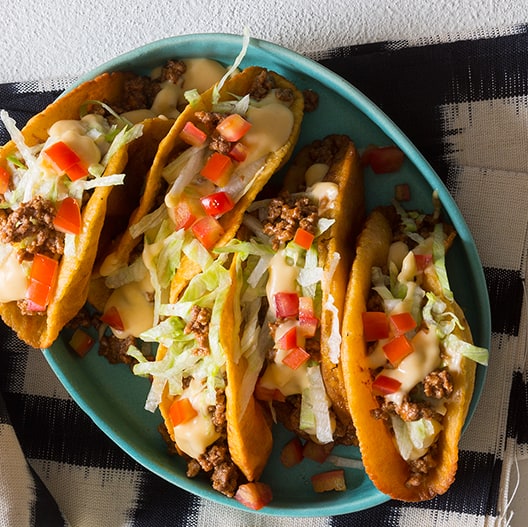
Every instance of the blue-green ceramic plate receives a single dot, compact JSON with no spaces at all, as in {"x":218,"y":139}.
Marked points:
{"x":114,"y":398}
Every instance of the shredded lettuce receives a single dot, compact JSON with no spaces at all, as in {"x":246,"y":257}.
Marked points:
{"x":414,"y":437}
{"x":454,"y":345}
{"x":218,"y":87}
{"x":439,"y":260}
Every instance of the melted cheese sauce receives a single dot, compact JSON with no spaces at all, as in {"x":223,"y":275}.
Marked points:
{"x":134,"y":307}
{"x":271,"y":126}
{"x":195,"y":435}
{"x":200,"y":75}
{"x":282,"y":277}
{"x":13,"y":277}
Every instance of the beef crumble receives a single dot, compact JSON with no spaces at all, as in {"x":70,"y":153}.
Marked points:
{"x":198,"y":325}
{"x":285,"y":215}
{"x":31,"y":225}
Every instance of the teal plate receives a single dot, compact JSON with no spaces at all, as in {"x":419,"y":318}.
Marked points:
{"x":115,"y":399}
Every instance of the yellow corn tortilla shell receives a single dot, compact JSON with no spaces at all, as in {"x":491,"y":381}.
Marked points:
{"x":339,"y":239}
{"x":383,"y":463}
{"x":239,"y":84}
{"x":71,"y":289}
{"x":249,"y":434}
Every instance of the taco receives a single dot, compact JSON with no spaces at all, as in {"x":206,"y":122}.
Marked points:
{"x":218,"y":155}
{"x":298,"y":260}
{"x":65,"y":197}
{"x":203,"y":380}
{"x":408,"y":357}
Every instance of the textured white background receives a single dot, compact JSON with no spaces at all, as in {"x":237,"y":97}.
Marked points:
{"x":47,"y":39}
{"x":43,"y":39}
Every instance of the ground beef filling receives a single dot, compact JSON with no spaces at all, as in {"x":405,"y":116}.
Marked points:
{"x":216,"y":461}
{"x":285,"y":215}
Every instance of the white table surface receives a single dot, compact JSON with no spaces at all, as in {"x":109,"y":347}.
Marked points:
{"x":45,"y":40}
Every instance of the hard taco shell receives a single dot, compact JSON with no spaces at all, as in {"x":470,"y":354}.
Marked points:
{"x":383,"y":462}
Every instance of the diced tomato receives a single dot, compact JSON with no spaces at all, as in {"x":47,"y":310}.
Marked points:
{"x":331,"y":480}
{"x":296,"y":358}
{"x":402,"y":192}
{"x":233,"y":127}
{"x":112,"y":317}
{"x":186,"y":212}
{"x":77,"y":171}
{"x":218,"y":168}
{"x":383,"y":159}
{"x":217,"y":203}
{"x":292,"y":453}
{"x":254,"y":495}
{"x":181,"y":411}
{"x":401,"y":323}
{"x":316,"y":451}
{"x":208,"y":231}
{"x":303,"y":238}
{"x":68,"y":217}
{"x":286,"y":304}
{"x":4,"y":180}
{"x":384,"y":385}
{"x":397,"y":349}
{"x":42,"y":279}
{"x":263,"y":393}
{"x":192,"y":135}
{"x":61,"y":155}
{"x":81,"y":342}
{"x":308,"y":322}
{"x":239,"y":152}
{"x":375,"y":325}
{"x":423,"y":261}
{"x":65,"y":160}
{"x":288,"y":341}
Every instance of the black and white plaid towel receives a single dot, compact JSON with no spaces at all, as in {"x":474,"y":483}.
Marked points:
{"x":464,"y":102}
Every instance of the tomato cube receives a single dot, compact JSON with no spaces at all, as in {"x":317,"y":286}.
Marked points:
{"x":331,"y":480}
{"x":218,"y":168}
{"x":384,"y":385}
{"x":402,"y":323}
{"x":286,"y":304}
{"x":81,"y":342}
{"x":375,"y":325}
{"x":68,"y":217}
{"x":112,"y":317}
{"x":42,"y":278}
{"x":233,"y":127}
{"x":288,"y":340}
{"x":181,"y":411}
{"x":217,"y":203}
{"x":303,"y":238}
{"x":383,"y":159}
{"x":4,"y":180}
{"x":61,"y":155}
{"x":254,"y":495}
{"x":296,"y":358}
{"x":316,"y":451}
{"x":308,"y":322}
{"x":207,"y":231}
{"x":397,"y":349}
{"x":239,"y":152}
{"x":192,"y":135}
{"x":186,"y":212}
{"x":292,"y":453}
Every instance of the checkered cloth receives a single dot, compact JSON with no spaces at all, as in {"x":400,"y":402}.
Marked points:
{"x":464,"y":102}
